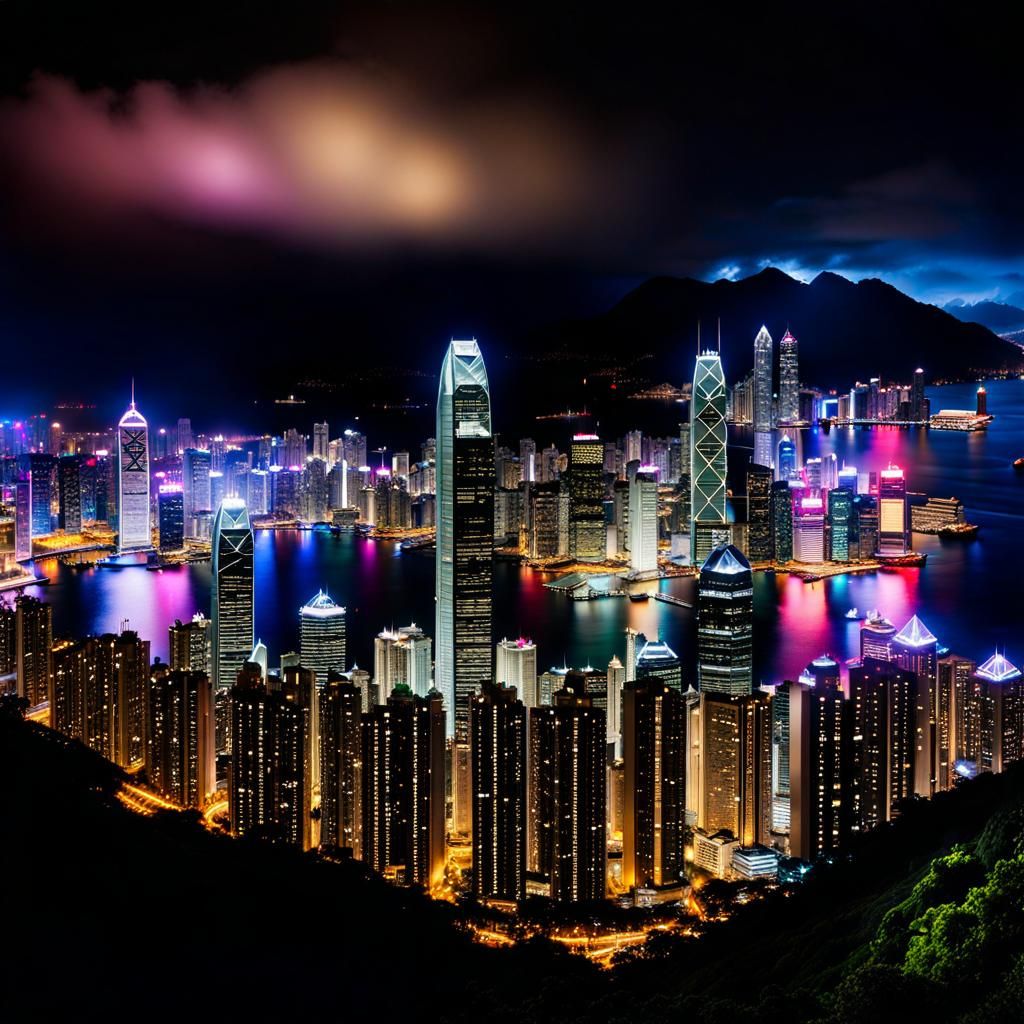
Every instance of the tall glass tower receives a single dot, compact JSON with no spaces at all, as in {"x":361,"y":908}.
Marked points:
{"x":789,"y":380}
{"x":322,"y":636}
{"x":725,"y":623}
{"x":763,"y":398}
{"x":232,"y":595}
{"x":707,"y":454}
{"x":465,"y":532}
{"x":133,"y":533}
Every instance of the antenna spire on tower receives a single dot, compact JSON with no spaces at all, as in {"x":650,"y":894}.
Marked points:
{"x":133,"y":392}
{"x":719,"y":335}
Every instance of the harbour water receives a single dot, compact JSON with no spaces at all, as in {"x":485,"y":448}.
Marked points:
{"x":970,"y":593}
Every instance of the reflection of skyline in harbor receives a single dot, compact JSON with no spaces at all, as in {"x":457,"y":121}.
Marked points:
{"x":963,"y":594}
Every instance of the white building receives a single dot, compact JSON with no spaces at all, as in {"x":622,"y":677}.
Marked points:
{"x":643,"y":520}
{"x":401,"y":656}
{"x":133,"y":522}
{"x":516,"y":665}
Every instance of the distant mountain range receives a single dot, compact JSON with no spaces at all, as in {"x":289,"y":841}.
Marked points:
{"x":847,"y":331}
{"x":1001,"y":317}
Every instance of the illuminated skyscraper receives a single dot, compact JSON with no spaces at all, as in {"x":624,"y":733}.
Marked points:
{"x":99,"y":695}
{"x":990,"y":719}
{"x":232,"y":594}
{"x":789,"y":380}
{"x":321,"y":440}
{"x":498,"y":745}
{"x":33,"y":638}
{"x":133,"y":529}
{"x":818,"y":769}
{"x":180,"y":755}
{"x":465,"y":532}
{"x":516,"y":665}
{"x":781,"y":501}
{"x":876,"y":637}
{"x":587,"y":532}
{"x":809,"y":530}
{"x":759,"y":513}
{"x":893,"y":535}
{"x":401,"y":656}
{"x":184,"y":435}
{"x":341,"y":765}
{"x":656,"y":660}
{"x":69,"y":482}
{"x":707,"y":455}
{"x":654,"y":807}
{"x":567,"y":786}
{"x":196,"y":489}
{"x":403,"y":787}
{"x":171,"y":517}
{"x":643,"y":520}
{"x":915,"y":650}
{"x":763,"y":398}
{"x":840,"y":509}
{"x":322,"y":636}
{"x":725,"y":623}
{"x":190,"y":644}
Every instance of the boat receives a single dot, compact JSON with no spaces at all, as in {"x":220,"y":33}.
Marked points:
{"x":1018,"y":464}
{"x":641,"y":596}
{"x":959,"y":531}
{"x":854,"y":615}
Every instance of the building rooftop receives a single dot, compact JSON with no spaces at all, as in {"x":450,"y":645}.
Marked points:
{"x":916,"y":634}
{"x":727,"y":560}
{"x":998,"y":670}
{"x":322,"y":605}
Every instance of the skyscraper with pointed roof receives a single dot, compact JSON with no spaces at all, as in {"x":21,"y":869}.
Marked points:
{"x":322,"y":636}
{"x":915,"y":649}
{"x":233,"y":594}
{"x":725,"y":623}
{"x":707,"y":455}
{"x":990,"y":718}
{"x":763,"y":398}
{"x":465,"y":532}
{"x":133,"y":525}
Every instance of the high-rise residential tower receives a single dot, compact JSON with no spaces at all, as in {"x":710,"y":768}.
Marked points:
{"x":465,"y":532}
{"x":725,"y":623}
{"x":759,"y":513}
{"x":587,"y":533}
{"x":707,"y":455}
{"x":789,"y":380}
{"x":763,"y":398}
{"x":516,"y":665}
{"x":133,"y":529}
{"x":232,"y":594}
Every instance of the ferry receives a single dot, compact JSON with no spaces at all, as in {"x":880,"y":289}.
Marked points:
{"x":1018,"y":464}
{"x":641,"y":596}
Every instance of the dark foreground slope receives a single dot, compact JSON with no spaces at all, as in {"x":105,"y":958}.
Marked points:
{"x":107,"y":913}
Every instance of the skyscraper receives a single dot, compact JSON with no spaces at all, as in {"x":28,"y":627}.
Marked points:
{"x":707,"y":455}
{"x":33,"y":638}
{"x":322,"y":636}
{"x":190,"y":644}
{"x":133,"y":528}
{"x":195,"y":482}
{"x":498,"y":745}
{"x":171,"y":517}
{"x":321,"y":439}
{"x":643,"y":520}
{"x":991,"y":719}
{"x":232,"y":594}
{"x":341,"y":765}
{"x":403,"y":787}
{"x":69,"y":481}
{"x":782,"y":521}
{"x":763,"y":398}
{"x":654,"y":756}
{"x":759,"y":513}
{"x":789,"y":380}
{"x":840,"y":510}
{"x":809,"y":530}
{"x":915,"y":649}
{"x":465,"y":532}
{"x":893,"y":535}
{"x":725,"y":623}
{"x":180,"y":754}
{"x":401,"y":656}
{"x":567,"y":812}
{"x":587,"y":533}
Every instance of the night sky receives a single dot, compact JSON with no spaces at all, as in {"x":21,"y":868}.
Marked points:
{"x":262,"y":192}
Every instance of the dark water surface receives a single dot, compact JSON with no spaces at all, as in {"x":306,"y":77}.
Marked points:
{"x":970,"y":594}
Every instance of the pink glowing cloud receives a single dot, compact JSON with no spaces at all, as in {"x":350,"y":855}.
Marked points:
{"x":312,"y":152}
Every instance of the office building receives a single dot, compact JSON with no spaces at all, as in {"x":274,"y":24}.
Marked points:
{"x":953,"y":683}
{"x":180,"y":749}
{"x":341,"y":765}
{"x":133,"y":526}
{"x":781,"y":510}
{"x":725,"y":623}
{"x":654,"y":790}
{"x":232,"y":595}
{"x":196,"y":487}
{"x":893,"y":536}
{"x":403,"y":787}
{"x":656,"y":660}
{"x":759,"y":513}
{"x":991,"y":719}
{"x":171,"y":517}
{"x":809,"y":531}
{"x":190,"y":644}
{"x":322,"y":636}
{"x":840,"y":510}
{"x":915,"y":650}
{"x":69,"y":486}
{"x":587,"y":532}
{"x":99,"y":695}
{"x":876,"y":637}
{"x":516,"y":665}
{"x":465,"y":532}
{"x":567,"y":801}
{"x":643,"y":521}
{"x":498,"y":751}
{"x":707,"y":455}
{"x":789,"y":380}
{"x":763,"y":370}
